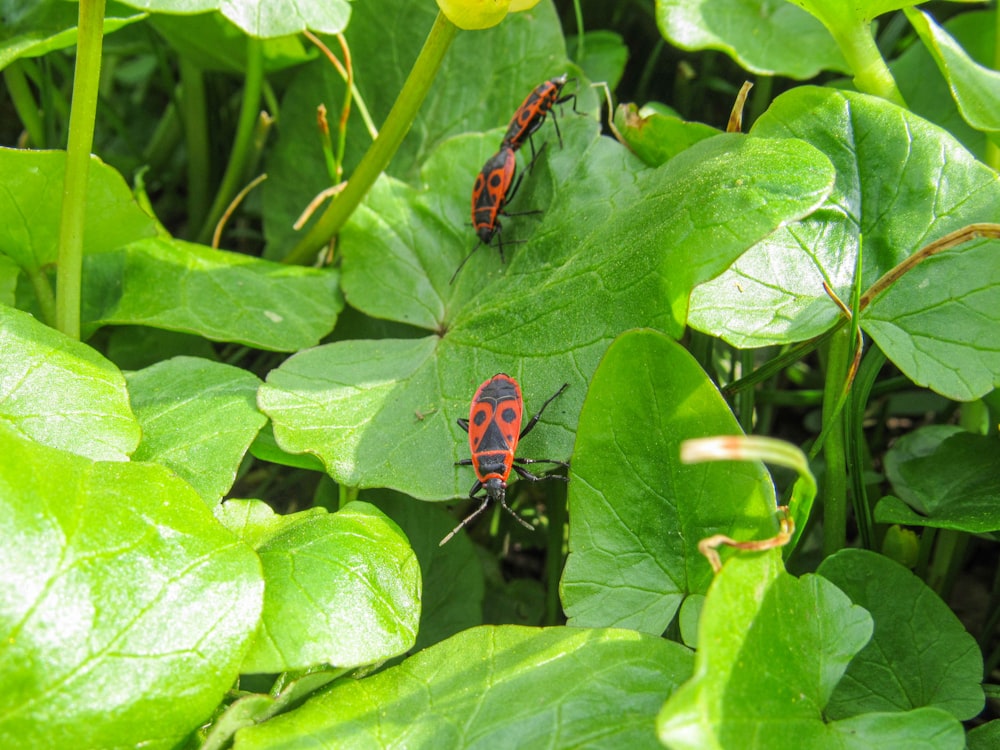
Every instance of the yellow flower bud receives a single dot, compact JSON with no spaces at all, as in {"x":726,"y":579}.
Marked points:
{"x":481,"y":14}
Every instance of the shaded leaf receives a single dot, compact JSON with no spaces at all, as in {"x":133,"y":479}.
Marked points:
{"x":198,"y":418}
{"x":919,"y":654}
{"x":947,"y":478}
{"x":62,"y":393}
{"x":534,"y":688}
{"x":353,"y":576}
{"x":118,"y":593}
{"x":637,"y":513}
{"x":223,"y":296}
{"x":654,"y":136}
{"x":769,"y":37}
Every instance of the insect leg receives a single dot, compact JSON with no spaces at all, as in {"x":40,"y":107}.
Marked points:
{"x":465,"y":521}
{"x":534,"y":420}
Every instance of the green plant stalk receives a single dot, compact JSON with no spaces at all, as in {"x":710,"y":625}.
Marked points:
{"x":83,"y":112}
{"x":835,"y":449}
{"x":194,"y":116}
{"x":745,"y":398}
{"x":24,"y":103}
{"x":43,"y":293}
{"x":871,"y":74}
{"x":378,"y":156}
{"x":992,"y":157}
{"x":242,"y":152}
{"x":579,"y":32}
{"x":868,"y":372}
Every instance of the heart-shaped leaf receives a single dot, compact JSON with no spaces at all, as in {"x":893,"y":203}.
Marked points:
{"x":533,"y":319}
{"x":636,"y":512}
{"x":919,"y":655}
{"x":118,"y":593}
{"x":261,"y":18}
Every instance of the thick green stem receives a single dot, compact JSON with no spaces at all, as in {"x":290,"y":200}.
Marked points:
{"x":86,"y":80}
{"x":871,"y":366}
{"x":377,"y":158}
{"x":554,"y":555}
{"x":24,"y":103}
{"x":43,"y":294}
{"x":834,"y":449}
{"x":871,"y":74}
{"x":243,"y":143}
{"x":194,"y":116}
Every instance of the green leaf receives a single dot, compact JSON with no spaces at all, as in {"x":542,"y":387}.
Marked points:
{"x":263,"y":18}
{"x":62,"y":393}
{"x":30,"y":226}
{"x":198,"y":418}
{"x":772,"y":649}
{"x":353,"y":576}
{"x":223,"y":296}
{"x":452,"y":576}
{"x":984,"y":737}
{"x":533,"y":318}
{"x":125,"y":608}
{"x":33,"y":29}
{"x":656,"y":137}
{"x":605,"y":55}
{"x":948,"y":476}
{"x":975,"y":87}
{"x":211,"y":42}
{"x":503,"y":686}
{"x":768,"y":37}
{"x":637,"y":513}
{"x":927,"y":93}
{"x":940,"y":332}
{"x":255,"y":522}
{"x":476,"y":89}
{"x":919,"y":655}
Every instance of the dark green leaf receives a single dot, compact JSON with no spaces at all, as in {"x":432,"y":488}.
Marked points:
{"x":62,"y":393}
{"x":493,"y":687}
{"x":770,"y":37}
{"x":655,"y":137}
{"x":919,"y":655}
{"x":198,"y":418}
{"x":223,"y":296}
{"x":948,"y":476}
{"x":125,"y":608}
{"x":636,"y":512}
{"x":604,"y":56}
{"x":352,"y":575}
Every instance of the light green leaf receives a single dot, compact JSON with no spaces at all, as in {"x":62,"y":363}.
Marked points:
{"x":901,"y":183}
{"x":353,"y":576}
{"x":605,"y":55}
{"x":975,"y":87}
{"x":532,"y":318}
{"x":494,"y":687}
{"x":919,"y":655}
{"x":263,"y":18}
{"x":772,"y":649}
{"x":198,"y":418}
{"x":768,"y":37}
{"x":29,"y":234}
{"x":125,"y":609}
{"x":636,"y":512}
{"x":62,"y":393}
{"x":223,"y":296}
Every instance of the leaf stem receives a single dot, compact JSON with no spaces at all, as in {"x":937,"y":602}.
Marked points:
{"x":871,"y":74}
{"x":378,"y":156}
{"x":240,"y":156}
{"x":194,"y":116}
{"x":834,"y":449}
{"x":86,"y":81}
